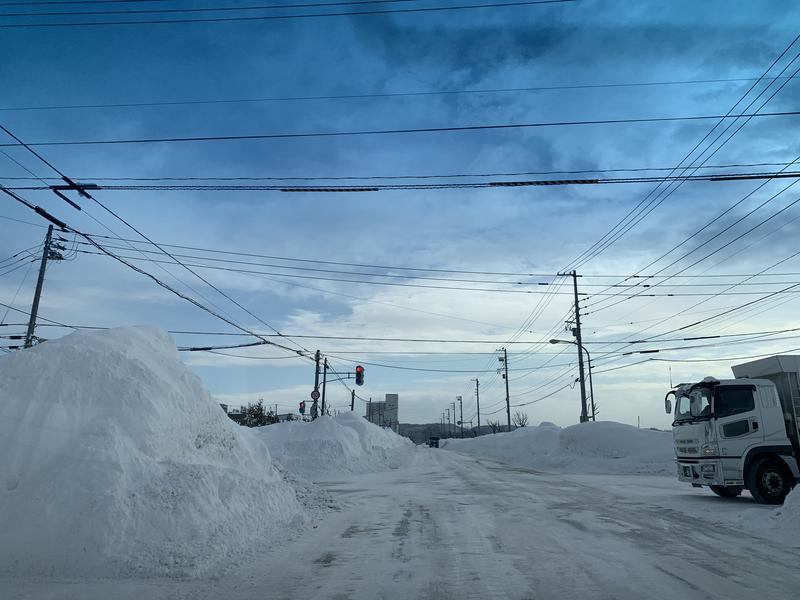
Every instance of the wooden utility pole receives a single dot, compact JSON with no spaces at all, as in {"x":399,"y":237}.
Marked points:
{"x":352,"y":400}
{"x":577,"y":333}
{"x":38,"y":293}
{"x":504,"y":360}
{"x":478,"y":402}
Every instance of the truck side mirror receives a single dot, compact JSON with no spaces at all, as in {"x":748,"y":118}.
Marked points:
{"x":668,"y":402}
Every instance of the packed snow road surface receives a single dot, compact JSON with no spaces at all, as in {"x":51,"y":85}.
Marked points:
{"x":448,"y":526}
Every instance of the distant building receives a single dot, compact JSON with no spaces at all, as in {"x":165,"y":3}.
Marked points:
{"x":235,"y":413}
{"x":384,"y":414}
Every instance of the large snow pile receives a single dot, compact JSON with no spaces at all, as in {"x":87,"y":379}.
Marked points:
{"x":330,"y":445}
{"x":604,"y":448}
{"x":116,"y":459}
{"x":782,"y":522}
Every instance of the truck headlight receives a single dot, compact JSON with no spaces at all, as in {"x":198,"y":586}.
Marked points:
{"x":710,"y":450}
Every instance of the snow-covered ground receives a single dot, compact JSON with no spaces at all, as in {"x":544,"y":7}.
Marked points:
{"x":602,"y":447}
{"x":445,"y":526}
{"x":608,"y":448}
{"x":120,"y":472}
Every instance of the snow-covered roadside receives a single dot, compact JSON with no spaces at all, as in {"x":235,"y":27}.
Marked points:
{"x":347,"y":443}
{"x":117,"y":460}
{"x":640,"y":458}
{"x":604,"y":447}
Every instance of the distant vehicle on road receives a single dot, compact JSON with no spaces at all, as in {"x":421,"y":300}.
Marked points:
{"x":741,"y":433}
{"x":433,"y":442}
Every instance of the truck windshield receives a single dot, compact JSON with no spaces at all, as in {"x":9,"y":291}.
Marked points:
{"x":701,"y":398}
{"x":682,"y":412}
{"x":700,"y":403}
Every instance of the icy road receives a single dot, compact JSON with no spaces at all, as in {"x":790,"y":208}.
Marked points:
{"x":445,"y":526}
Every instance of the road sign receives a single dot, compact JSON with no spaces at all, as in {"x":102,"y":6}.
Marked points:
{"x":315,"y":395}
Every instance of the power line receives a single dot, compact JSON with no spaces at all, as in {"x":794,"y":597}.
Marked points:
{"x":164,"y":285}
{"x":16,"y":293}
{"x":427,"y":370}
{"x":692,"y":360}
{"x":210,"y":9}
{"x":427,"y":269}
{"x":406,"y":176}
{"x":289,"y":17}
{"x":53,"y":2}
{"x":686,"y":239}
{"x":715,"y":178}
{"x":85,"y":194}
{"x":603,"y":243}
{"x":504,"y":126}
{"x":377,"y":95}
{"x":722,"y":247}
{"x":423,"y":286}
{"x":428,"y":277}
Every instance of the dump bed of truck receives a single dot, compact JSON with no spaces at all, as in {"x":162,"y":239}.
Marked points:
{"x":784,"y":372}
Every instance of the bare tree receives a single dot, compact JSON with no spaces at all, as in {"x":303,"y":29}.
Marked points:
{"x":494,"y":425}
{"x":520,"y":419}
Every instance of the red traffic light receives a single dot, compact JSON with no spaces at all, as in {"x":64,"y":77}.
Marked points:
{"x":359,"y":375}
{"x":302,"y":407}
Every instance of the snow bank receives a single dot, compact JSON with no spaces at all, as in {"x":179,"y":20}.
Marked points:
{"x":603,"y":448}
{"x":782,"y":522}
{"x":330,"y":445}
{"x":115,"y":459}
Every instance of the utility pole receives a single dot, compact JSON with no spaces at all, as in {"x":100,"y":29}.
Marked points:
{"x":504,"y":360}
{"x":577,"y":333}
{"x":448,"y":422}
{"x":461,"y":417}
{"x":352,"y":400}
{"x":35,"y":308}
{"x":314,"y":412}
{"x":369,"y":409}
{"x":324,"y":381}
{"x":478,"y":402}
{"x":453,"y":404}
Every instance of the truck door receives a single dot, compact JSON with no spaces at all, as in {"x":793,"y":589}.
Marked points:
{"x":737,"y":418}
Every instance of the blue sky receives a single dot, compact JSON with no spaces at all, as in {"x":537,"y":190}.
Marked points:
{"x":507,"y":229}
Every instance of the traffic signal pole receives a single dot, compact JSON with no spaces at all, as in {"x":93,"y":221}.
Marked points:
{"x":352,"y":400}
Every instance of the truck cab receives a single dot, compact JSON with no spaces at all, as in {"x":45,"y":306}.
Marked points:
{"x":741,"y":433}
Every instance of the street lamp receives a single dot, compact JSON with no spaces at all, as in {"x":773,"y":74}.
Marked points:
{"x":589,"y":357}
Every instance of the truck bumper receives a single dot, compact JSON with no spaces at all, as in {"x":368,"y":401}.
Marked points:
{"x":701,"y":472}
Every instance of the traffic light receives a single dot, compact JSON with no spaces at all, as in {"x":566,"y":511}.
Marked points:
{"x":302,"y":408}
{"x":359,"y":375}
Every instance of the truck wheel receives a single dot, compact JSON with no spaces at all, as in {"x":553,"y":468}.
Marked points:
{"x":768,"y":481}
{"x":726,"y":492}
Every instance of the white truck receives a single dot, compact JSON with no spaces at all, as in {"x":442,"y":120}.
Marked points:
{"x":741,"y":433}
